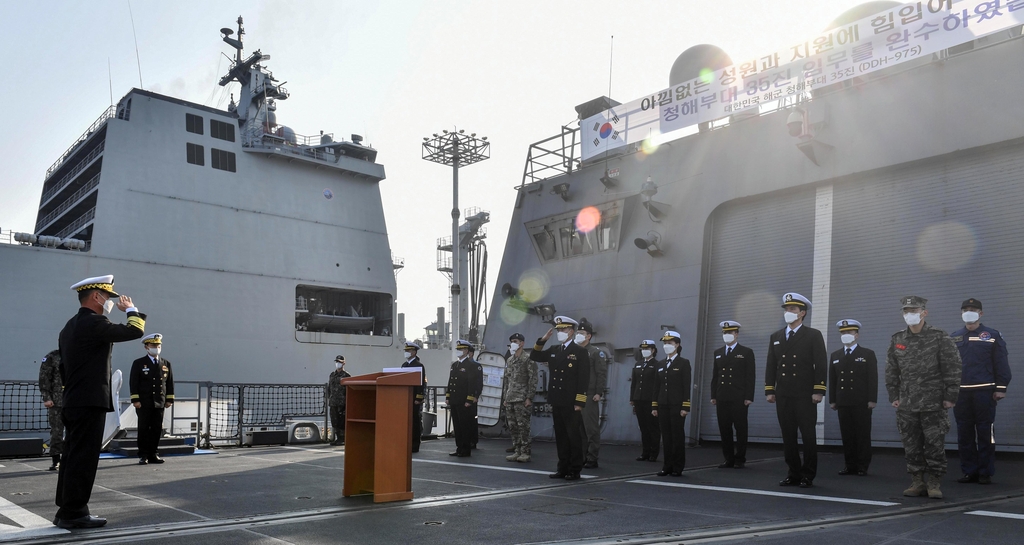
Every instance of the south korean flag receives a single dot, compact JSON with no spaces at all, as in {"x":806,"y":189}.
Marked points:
{"x":603,"y":132}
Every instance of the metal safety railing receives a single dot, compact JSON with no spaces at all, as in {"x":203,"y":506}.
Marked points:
{"x":76,"y":225}
{"x":96,"y":125}
{"x":70,"y":176}
{"x":71,"y":201}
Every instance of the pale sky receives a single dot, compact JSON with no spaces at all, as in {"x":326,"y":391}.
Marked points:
{"x":393,"y":71}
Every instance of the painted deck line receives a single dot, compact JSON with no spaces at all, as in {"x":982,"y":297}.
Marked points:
{"x":996,"y":514}
{"x":766,"y":493}
{"x":498,"y":468}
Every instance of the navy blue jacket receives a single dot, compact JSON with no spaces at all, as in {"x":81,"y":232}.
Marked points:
{"x":983,"y":352}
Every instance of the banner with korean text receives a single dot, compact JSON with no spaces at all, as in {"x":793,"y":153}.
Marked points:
{"x":883,"y":40}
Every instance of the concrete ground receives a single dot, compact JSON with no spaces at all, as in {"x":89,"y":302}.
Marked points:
{"x":293,"y":495}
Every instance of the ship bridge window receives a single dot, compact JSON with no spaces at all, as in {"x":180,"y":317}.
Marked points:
{"x":193,"y":123}
{"x":577,"y":233}
{"x":194,"y":154}
{"x":222,"y":160}
{"x":332,"y":310}
{"x":222,"y":130}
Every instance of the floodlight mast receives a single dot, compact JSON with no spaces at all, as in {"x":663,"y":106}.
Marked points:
{"x":457,"y":149}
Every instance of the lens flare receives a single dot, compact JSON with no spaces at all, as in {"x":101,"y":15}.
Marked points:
{"x":651,"y":143}
{"x":588,"y":219}
{"x":512,"y":312}
{"x":946,"y":246}
{"x":534,"y":284}
{"x":707,"y":75}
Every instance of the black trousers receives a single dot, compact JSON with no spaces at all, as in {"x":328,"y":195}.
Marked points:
{"x":855,"y":428}
{"x":568,"y":440}
{"x":82,"y":442}
{"x":650,"y":435}
{"x":338,"y":421}
{"x":673,"y":437}
{"x":799,"y":414}
{"x":733,"y":414}
{"x":475,"y":434}
{"x":151,"y":425}
{"x":465,"y":427}
{"x":417,"y":426}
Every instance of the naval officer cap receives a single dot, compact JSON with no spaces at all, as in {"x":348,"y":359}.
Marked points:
{"x":794,"y":298}
{"x":729,"y":325}
{"x":563,"y":322}
{"x":102,"y":283}
{"x":463,"y":344}
{"x":153,"y":338}
{"x":971,"y":303}
{"x":647,"y":343}
{"x":517,"y":337}
{"x":412,"y":345}
{"x":671,"y":336}
{"x":585,"y":325}
{"x":848,"y":325}
{"x":913,"y":301}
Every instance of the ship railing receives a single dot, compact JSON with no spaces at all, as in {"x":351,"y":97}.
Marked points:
{"x":7,"y":237}
{"x":70,"y":176}
{"x":107,"y":114}
{"x":434,"y":404}
{"x":554,"y":156}
{"x":71,"y":201}
{"x":77,"y":225}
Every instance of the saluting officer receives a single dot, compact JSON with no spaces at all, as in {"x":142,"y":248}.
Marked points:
{"x":152,"y":390}
{"x":794,"y":379}
{"x":595,"y":387}
{"x":643,"y":397}
{"x":465,"y":382}
{"x":673,"y":405}
{"x":413,"y":360}
{"x":567,"y":393}
{"x":85,"y":345}
{"x":986,"y":373}
{"x":853,"y":391}
{"x":52,"y":390}
{"x":732,"y":392}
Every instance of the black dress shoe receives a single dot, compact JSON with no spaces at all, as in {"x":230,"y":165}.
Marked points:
{"x":806,"y":483}
{"x":456,"y":453}
{"x":677,"y":473}
{"x":590,"y":465}
{"x":984,"y":479}
{"x":143,"y":461}
{"x":87,"y":521}
{"x":862,"y":473}
{"x":725,"y":465}
{"x":653,"y":459}
{"x":789,"y":481}
{"x":739,"y":465}
{"x":557,"y":475}
{"x":663,"y":473}
{"x":463,"y":455}
{"x":574,"y":476}
{"x":154,"y":459}
{"x":968,"y":479}
{"x":846,"y":471}
{"x":641,"y":458}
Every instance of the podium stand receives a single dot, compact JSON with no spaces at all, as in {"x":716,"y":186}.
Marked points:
{"x":378,"y":435}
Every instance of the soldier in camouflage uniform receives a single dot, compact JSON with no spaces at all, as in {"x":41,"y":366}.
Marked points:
{"x":520,"y":385}
{"x":336,"y":399}
{"x":52,"y":389}
{"x":922,"y":375}
{"x":595,"y":389}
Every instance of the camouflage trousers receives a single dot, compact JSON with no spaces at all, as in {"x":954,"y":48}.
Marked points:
{"x":517,"y":416}
{"x":56,"y":431}
{"x":924,"y":439}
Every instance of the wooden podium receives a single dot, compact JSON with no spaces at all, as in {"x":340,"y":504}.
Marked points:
{"x":378,"y":435}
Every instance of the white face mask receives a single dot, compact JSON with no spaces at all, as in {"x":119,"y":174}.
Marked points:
{"x":338,"y":365}
{"x":408,"y":354}
{"x":645,"y":353}
{"x":463,"y":354}
{"x":514,"y":347}
{"x":108,"y":306}
{"x":912,"y":318}
{"x":562,"y":336}
{"x":153,"y":351}
{"x":729,"y":338}
{"x":791,"y":317}
{"x":847,"y":338}
{"x":579,"y":338}
{"x":970,"y":317}
{"x":669,"y":348}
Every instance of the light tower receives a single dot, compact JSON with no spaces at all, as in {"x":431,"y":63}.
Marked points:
{"x":456,"y":149}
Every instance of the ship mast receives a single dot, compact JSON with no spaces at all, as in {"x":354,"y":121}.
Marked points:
{"x":259,"y":87}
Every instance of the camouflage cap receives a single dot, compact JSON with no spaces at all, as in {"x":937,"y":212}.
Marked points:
{"x":913,"y":301}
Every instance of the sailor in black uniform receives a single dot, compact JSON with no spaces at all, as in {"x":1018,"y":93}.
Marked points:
{"x":853,"y":391}
{"x":643,"y":397}
{"x":413,"y":360}
{"x":673,"y":388}
{"x":465,"y":382}
{"x":152,"y":389}
{"x":732,"y":393}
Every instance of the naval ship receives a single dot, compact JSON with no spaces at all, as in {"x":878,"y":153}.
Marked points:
{"x":258,"y":252}
{"x":852,"y":181}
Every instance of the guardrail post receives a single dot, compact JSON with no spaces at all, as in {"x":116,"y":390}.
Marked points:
{"x":241,"y":408}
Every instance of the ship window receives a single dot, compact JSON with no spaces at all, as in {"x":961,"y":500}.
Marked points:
{"x":222,"y":160}
{"x":560,"y":237}
{"x":333,"y":310}
{"x":545,"y":241}
{"x":221,"y":130}
{"x":194,"y":154}
{"x":194,"y":124}
{"x":575,"y":242}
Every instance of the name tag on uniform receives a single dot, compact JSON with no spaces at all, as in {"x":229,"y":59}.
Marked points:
{"x":719,"y":356}
{"x":661,"y":369}
{"x":860,"y":359}
{"x":571,"y":357}
{"x":776,"y":342}
{"x":738,"y":356}
{"x":835,"y":361}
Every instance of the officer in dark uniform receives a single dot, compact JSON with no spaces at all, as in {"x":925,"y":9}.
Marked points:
{"x":52,"y":390}
{"x":732,"y":392}
{"x":986,"y":373}
{"x":413,"y":360}
{"x":569,"y":365}
{"x":853,"y":391}
{"x":465,"y":382}
{"x":152,"y":389}
{"x":85,"y":345}
{"x":794,"y":379}
{"x":643,"y":397}
{"x":673,"y":388}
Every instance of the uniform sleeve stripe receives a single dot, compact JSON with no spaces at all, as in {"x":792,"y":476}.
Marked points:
{"x":135,"y":396}
{"x":137,"y":322}
{"x":470,"y":398}
{"x":581,"y":397}
{"x":769,"y":388}
{"x":654,"y":404}
{"x":686,"y":404}
{"x":170,"y":396}
{"x":538,"y":347}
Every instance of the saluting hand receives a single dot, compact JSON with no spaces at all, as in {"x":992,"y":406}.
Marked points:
{"x":548,"y":334}
{"x":124,"y":303}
